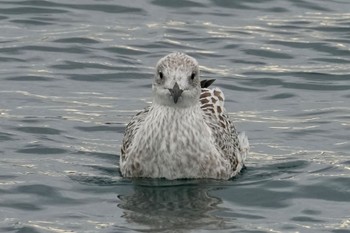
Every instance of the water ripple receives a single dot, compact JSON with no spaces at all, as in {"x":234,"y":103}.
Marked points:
{"x":73,"y":74}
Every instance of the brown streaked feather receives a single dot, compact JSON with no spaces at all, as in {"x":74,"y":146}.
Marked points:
{"x":131,"y":130}
{"x":223,"y":130}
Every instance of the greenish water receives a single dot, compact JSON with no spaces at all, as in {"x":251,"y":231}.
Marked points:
{"x":74,"y":72}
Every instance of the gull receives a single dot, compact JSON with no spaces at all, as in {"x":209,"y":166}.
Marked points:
{"x":185,"y":132}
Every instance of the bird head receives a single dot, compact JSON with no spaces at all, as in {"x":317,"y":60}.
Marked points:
{"x":176,"y":81}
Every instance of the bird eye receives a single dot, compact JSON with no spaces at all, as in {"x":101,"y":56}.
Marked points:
{"x":161,"y":75}
{"x":193,"y":75}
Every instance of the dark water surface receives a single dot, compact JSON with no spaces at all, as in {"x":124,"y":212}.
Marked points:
{"x":74,"y":72}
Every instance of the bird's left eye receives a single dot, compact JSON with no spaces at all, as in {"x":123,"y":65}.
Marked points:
{"x":193,"y":75}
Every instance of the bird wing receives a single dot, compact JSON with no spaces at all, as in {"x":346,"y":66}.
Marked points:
{"x":131,"y":129}
{"x":222,"y":129}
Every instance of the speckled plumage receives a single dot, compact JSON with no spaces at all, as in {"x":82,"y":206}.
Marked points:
{"x":183,"y":136}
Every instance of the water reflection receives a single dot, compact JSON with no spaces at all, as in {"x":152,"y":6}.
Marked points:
{"x":169,"y":206}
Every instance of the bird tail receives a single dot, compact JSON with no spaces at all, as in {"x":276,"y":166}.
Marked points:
{"x":244,"y":145}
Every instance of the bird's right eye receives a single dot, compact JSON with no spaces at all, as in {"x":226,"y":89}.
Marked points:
{"x":161,"y":75}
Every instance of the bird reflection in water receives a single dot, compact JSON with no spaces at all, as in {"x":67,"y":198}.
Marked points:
{"x":172,"y":206}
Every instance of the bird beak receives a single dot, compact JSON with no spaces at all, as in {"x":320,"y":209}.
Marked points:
{"x":176,"y":92}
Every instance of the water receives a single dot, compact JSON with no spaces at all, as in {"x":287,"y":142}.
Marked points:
{"x":74,"y":72}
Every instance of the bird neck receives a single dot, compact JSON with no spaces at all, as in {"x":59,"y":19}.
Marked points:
{"x":175,"y":119}
{"x":184,"y":101}
{"x":178,"y":113}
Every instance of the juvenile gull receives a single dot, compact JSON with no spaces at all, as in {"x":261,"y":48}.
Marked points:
{"x":185,"y":133}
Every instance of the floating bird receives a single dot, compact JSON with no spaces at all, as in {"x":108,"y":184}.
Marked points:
{"x":185,"y":133}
